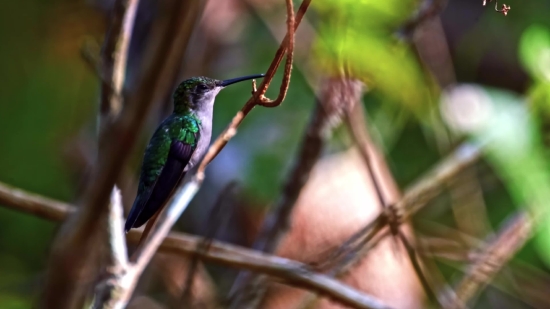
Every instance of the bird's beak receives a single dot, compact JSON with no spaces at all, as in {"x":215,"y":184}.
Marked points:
{"x":228,"y":82}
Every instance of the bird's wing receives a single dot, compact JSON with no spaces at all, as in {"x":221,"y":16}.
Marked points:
{"x":152,"y":197}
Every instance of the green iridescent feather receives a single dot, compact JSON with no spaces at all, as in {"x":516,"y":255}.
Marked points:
{"x":183,"y":128}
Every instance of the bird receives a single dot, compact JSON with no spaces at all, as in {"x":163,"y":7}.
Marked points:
{"x":177,"y":145}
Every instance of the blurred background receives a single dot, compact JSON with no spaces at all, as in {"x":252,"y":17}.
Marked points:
{"x":49,"y":98}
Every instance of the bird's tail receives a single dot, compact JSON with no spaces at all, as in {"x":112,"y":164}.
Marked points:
{"x":144,"y":236}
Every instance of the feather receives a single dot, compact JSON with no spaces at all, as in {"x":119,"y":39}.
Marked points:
{"x":172,"y":172}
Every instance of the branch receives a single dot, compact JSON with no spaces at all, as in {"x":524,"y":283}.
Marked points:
{"x":114,"y":54}
{"x":289,"y":271}
{"x":355,"y":248}
{"x":74,"y":243}
{"x":497,"y":253}
{"x":120,"y":288}
{"x":461,"y":250}
{"x":337,"y":94}
{"x":428,"y":10}
{"x":34,"y":204}
{"x":357,"y":127}
{"x":419,"y":268}
{"x":69,"y":254}
{"x":414,"y":199}
{"x":114,"y":62}
{"x":118,"y":250}
{"x":217,"y":220}
{"x":126,"y":283}
{"x":258,"y":95}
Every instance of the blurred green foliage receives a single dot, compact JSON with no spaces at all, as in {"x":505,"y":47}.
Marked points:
{"x":360,"y":38}
{"x":534,"y":50}
{"x":45,"y":97}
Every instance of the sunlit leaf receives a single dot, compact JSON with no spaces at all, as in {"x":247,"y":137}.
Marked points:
{"x":535,"y":51}
{"x":357,"y":37}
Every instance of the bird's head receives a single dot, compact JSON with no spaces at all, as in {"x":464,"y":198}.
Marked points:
{"x":198,"y":93}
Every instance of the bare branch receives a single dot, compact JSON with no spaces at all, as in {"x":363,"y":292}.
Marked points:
{"x":70,"y":250}
{"x":34,"y":204}
{"x":357,"y":126}
{"x":418,"y":267}
{"x":431,"y":184}
{"x":337,"y":94}
{"x":114,"y":55}
{"x":75,"y":242}
{"x":179,"y":201}
{"x":256,"y":99}
{"x":414,"y":199}
{"x":427,"y":10}
{"x":459,"y":243}
{"x":117,"y":242}
{"x":289,"y":46}
{"x":217,"y":219}
{"x":493,"y":257}
{"x":289,"y":271}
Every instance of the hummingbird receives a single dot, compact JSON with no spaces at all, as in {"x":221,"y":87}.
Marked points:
{"x":178,"y":144}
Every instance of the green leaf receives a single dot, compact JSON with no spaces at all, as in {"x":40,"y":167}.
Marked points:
{"x":357,"y":37}
{"x":535,"y":51}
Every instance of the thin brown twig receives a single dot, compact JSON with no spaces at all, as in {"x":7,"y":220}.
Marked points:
{"x":427,"y":10}
{"x":414,"y":199}
{"x":418,"y":267}
{"x":461,"y":246}
{"x":217,"y":220}
{"x":113,"y":58}
{"x":289,"y":271}
{"x":34,"y":204}
{"x":285,"y":46}
{"x":342,"y":259}
{"x":248,"y":290}
{"x":494,"y":256}
{"x":357,"y":126}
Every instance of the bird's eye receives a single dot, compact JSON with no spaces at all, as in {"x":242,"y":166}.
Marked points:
{"x":202,"y":87}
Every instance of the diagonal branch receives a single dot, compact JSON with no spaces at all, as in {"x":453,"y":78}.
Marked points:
{"x":337,"y":93}
{"x":427,"y":10}
{"x":68,"y":249}
{"x":114,"y":57}
{"x":74,"y":243}
{"x":494,"y":256}
{"x":258,"y":96}
{"x":114,"y":62}
{"x":414,"y":199}
{"x":288,"y":271}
